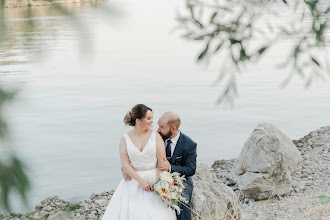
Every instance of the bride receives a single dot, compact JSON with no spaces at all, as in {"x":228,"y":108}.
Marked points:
{"x":139,"y":151}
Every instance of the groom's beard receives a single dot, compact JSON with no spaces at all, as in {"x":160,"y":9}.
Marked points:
{"x":166,"y":136}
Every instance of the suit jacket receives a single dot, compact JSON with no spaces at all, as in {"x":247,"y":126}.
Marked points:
{"x":183,"y":159}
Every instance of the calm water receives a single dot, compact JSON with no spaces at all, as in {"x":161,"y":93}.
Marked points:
{"x":78,"y":81}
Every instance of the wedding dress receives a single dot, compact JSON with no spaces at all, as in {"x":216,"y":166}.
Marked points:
{"x":130,"y":201}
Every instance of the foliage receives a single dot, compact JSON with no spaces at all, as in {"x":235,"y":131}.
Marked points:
{"x":12,"y":173}
{"x":324,"y":199}
{"x":241,"y":32}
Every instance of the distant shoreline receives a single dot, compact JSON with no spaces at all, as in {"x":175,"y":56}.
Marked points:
{"x":32,"y":3}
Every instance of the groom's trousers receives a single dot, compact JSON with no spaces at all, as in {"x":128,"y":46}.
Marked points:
{"x":185,"y":213}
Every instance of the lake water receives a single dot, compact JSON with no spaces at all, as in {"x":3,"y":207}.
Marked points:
{"x":78,"y":81}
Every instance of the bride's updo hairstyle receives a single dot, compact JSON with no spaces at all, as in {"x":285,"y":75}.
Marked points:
{"x":139,"y":111}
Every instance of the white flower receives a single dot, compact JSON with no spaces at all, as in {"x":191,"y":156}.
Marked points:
{"x":177,"y":208}
{"x":173,"y":195}
{"x":176,"y":174}
{"x":166,"y":176}
{"x":157,"y":187}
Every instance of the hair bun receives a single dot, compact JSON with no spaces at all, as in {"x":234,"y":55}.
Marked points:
{"x":128,"y":119}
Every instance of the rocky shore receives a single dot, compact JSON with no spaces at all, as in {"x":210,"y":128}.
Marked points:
{"x":29,"y":3}
{"x":219,"y":192}
{"x":309,"y":197}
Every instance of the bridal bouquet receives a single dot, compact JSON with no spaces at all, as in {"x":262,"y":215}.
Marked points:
{"x":170,"y":187}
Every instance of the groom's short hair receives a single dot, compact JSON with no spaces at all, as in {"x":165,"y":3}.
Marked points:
{"x":174,"y":120}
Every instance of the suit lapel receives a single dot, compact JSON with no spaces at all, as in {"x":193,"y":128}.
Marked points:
{"x":178,"y":148}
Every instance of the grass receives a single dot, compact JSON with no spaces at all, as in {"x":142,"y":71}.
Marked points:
{"x":70,"y":208}
{"x":324,"y":199}
{"x":319,"y":211}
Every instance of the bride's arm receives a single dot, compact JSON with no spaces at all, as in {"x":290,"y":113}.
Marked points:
{"x":128,"y":168}
{"x":160,"y":148}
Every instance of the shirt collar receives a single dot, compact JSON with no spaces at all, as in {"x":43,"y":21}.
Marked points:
{"x":175,"y":139}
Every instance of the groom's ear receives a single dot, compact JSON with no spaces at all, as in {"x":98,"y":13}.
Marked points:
{"x":173,"y":128}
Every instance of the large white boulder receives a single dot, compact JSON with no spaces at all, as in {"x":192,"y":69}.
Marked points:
{"x":211,"y":198}
{"x":266,"y":163}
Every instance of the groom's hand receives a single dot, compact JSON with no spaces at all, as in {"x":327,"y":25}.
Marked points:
{"x":164,"y":165}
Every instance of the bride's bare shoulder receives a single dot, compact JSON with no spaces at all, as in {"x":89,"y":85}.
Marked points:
{"x":158,"y":135}
{"x":123,"y":140}
{"x":159,"y":139}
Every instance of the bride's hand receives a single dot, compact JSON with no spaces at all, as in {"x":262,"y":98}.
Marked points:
{"x":145,"y":185}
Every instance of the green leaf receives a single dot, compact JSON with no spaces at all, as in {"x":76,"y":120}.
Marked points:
{"x":218,"y":47}
{"x":285,"y":1}
{"x":262,"y":50}
{"x":243,"y":56}
{"x":199,"y":24}
{"x":315,"y":61}
{"x":234,"y":41}
{"x":199,"y":38}
{"x":296,"y":51}
{"x":319,"y":33}
{"x":213,"y":16}
{"x":204,"y":52}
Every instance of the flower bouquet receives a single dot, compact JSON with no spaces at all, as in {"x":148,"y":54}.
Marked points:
{"x":170,"y":187}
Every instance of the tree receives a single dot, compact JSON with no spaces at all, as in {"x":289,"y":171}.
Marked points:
{"x":232,"y":28}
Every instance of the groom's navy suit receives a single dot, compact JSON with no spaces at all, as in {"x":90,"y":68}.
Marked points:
{"x":183,"y":161}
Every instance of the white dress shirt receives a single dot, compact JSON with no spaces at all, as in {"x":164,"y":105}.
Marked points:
{"x":173,"y":144}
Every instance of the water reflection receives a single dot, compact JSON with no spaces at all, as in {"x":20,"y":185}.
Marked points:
{"x":28,"y":33}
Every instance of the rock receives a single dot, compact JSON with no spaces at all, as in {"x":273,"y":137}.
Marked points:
{"x":223,"y":164}
{"x":43,"y":214}
{"x":47,"y":209}
{"x":211,"y":198}
{"x":314,"y":159}
{"x":266,"y":163}
{"x":39,"y":207}
{"x":79,"y":211}
{"x":301,"y":186}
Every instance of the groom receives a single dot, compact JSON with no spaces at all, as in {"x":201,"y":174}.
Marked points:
{"x":180,"y":155}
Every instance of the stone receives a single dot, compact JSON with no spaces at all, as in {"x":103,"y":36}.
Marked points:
{"x":47,"y":209}
{"x":212,"y":199}
{"x":266,"y":163}
{"x":43,"y":214}
{"x":301,"y":186}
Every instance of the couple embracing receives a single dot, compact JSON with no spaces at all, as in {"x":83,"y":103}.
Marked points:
{"x":144,"y":153}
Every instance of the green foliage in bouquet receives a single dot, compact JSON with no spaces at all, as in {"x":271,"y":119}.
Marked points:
{"x":170,"y":188}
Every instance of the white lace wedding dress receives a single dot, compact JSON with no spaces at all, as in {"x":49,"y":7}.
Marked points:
{"x":130,"y":201}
